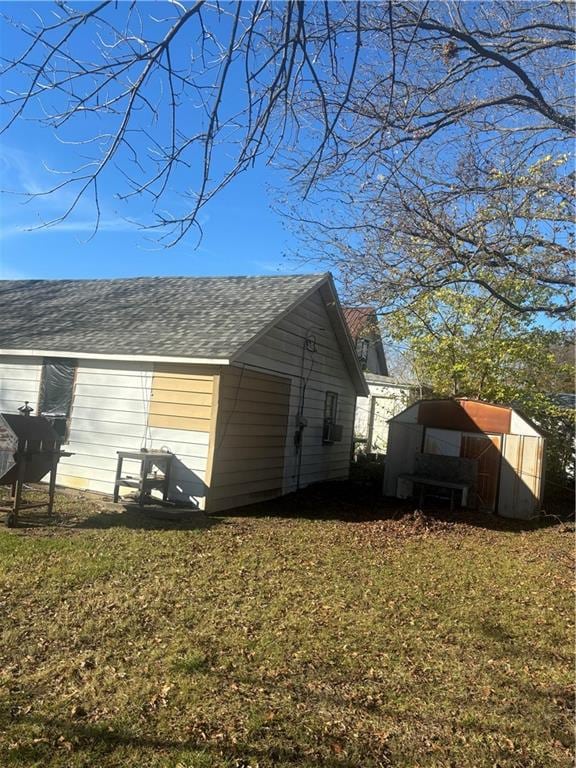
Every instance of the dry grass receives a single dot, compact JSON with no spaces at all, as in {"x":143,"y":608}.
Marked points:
{"x":346,"y":640}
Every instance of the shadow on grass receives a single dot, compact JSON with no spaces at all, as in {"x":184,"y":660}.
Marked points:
{"x":352,"y":502}
{"x":148,"y":518}
{"x":101,"y":740}
{"x":509,"y":641}
{"x":86,"y":511}
{"x":346,"y":501}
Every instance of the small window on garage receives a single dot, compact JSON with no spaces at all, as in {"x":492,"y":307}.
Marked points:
{"x":331,"y":432}
{"x":331,"y":407}
{"x":56,"y":388}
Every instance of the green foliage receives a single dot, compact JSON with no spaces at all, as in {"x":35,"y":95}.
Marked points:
{"x":465,"y":343}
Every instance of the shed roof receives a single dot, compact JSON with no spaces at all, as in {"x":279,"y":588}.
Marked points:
{"x":197,"y":319}
{"x":463,"y":414}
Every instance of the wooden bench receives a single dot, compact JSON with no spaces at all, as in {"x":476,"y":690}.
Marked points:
{"x":453,"y":473}
{"x":423,"y":481}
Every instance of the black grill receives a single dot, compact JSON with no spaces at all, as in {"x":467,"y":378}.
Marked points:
{"x":37,"y":453}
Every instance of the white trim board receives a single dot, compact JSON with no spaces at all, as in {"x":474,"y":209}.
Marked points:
{"x":99,"y":356}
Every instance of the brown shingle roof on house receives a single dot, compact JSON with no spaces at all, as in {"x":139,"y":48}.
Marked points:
{"x":362,"y":322}
{"x":358,"y":318}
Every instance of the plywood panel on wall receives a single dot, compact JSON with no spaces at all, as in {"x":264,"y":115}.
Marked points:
{"x":168,"y":396}
{"x":248,"y":463}
{"x":180,"y":384}
{"x":182,"y":397}
{"x":188,"y":410}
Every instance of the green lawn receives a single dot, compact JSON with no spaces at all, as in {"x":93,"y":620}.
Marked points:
{"x":283,"y":639}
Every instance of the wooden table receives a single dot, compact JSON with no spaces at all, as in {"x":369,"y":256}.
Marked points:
{"x":424,"y":480}
{"x":147,"y":479}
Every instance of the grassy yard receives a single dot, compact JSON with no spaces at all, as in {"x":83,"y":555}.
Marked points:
{"x":346,"y":640}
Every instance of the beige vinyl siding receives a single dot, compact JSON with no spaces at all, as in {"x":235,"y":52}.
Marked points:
{"x":250,"y":436}
{"x":19,"y":381}
{"x":281,"y":352}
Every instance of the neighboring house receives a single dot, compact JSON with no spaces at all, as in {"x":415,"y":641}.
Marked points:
{"x":387,"y":398}
{"x":564,"y":400}
{"x":387,"y":395}
{"x":365,"y":332}
{"x":250,"y":381}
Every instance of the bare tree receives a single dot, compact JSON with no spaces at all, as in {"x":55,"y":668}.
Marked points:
{"x":438,"y":131}
{"x":155,"y":90}
{"x":458,"y":166}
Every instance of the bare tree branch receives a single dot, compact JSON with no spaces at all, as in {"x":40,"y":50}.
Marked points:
{"x":434,"y":138}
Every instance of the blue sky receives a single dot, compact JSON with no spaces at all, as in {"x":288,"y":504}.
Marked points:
{"x":242,"y":235}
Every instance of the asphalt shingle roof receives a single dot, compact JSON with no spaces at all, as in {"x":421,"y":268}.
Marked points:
{"x":208,"y":317}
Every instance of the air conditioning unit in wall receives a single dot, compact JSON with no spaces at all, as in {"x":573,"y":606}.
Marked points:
{"x":331,"y":433}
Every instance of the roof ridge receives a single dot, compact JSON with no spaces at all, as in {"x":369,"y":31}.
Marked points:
{"x":317,"y":275}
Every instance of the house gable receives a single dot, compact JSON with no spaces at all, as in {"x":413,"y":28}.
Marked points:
{"x":364,"y":329}
{"x":305,"y":347}
{"x":331,"y":314}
